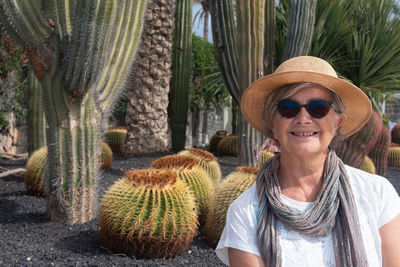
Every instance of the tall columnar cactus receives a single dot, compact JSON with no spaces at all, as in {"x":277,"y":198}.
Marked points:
{"x":35,"y":172}
{"x":207,"y":161}
{"x":244,"y":49}
{"x":181,"y":71}
{"x":353,"y":149}
{"x":188,"y":170}
{"x":115,"y":138}
{"x":231,"y":187}
{"x":216,"y":138}
{"x":81,"y":52}
{"x":380,"y":152}
{"x":396,"y":134}
{"x":394,"y":156}
{"x":148,"y":213}
{"x":368,"y":165}
{"x":35,"y":115}
{"x":228,"y":146}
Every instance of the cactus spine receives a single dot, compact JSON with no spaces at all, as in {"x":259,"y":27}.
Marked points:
{"x":181,"y":71}
{"x":394,"y":156}
{"x":207,"y":161}
{"x":81,"y":53}
{"x":115,"y":138}
{"x":215,"y":139}
{"x":148,"y":213}
{"x":231,"y":187}
{"x":228,"y":146}
{"x":35,"y":172}
{"x":368,"y":165}
{"x":396,"y":134}
{"x":188,"y":170}
{"x":380,"y":152}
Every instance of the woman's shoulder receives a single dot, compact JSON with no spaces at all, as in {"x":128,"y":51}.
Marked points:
{"x":362,"y":179}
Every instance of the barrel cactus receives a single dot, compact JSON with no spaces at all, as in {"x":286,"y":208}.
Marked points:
{"x":148,"y":213}
{"x":115,"y":138}
{"x":207,"y":161}
{"x":394,"y":156}
{"x":368,"y":165}
{"x":106,"y":156}
{"x":189,"y":171}
{"x":265,"y":156}
{"x":35,"y":172}
{"x":396,"y":134}
{"x":228,"y":146}
{"x":216,"y":138}
{"x":231,"y":187}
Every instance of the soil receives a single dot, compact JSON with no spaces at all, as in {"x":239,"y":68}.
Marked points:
{"x":29,"y":238}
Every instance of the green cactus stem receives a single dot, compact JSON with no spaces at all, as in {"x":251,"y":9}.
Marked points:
{"x":228,"y":146}
{"x":148,"y":213}
{"x":231,"y":187}
{"x":368,"y":165}
{"x":207,"y":161}
{"x":36,"y":172}
{"x":82,"y":53}
{"x":380,"y":152}
{"x":396,"y":134}
{"x":216,"y":138}
{"x":115,"y":138}
{"x":394,"y":157}
{"x":188,"y":170}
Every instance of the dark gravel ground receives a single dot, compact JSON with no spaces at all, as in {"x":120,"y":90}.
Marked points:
{"x":28,"y":238}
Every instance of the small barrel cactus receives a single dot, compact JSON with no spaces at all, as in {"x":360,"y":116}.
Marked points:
{"x":394,"y":156}
{"x":368,"y":165}
{"x":35,"y":172}
{"x":231,"y":187}
{"x":265,"y":156}
{"x":216,"y":138}
{"x":228,"y":146}
{"x":396,"y":134}
{"x":189,"y":171}
{"x":115,"y":138}
{"x":207,"y":161}
{"x":148,"y":213}
{"x":106,"y":156}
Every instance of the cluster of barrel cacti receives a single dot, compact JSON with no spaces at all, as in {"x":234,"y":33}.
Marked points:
{"x":115,"y":138}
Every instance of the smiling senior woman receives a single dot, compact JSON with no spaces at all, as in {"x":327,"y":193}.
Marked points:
{"x":307,"y":208}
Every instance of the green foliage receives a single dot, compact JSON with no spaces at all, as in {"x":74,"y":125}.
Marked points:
{"x":12,"y":82}
{"x":208,"y":88}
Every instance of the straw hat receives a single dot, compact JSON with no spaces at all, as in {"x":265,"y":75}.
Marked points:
{"x":357,"y":105}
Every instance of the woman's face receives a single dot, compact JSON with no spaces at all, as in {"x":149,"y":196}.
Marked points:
{"x":304,"y":135}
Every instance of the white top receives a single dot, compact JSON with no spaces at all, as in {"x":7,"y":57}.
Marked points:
{"x":377,"y":204}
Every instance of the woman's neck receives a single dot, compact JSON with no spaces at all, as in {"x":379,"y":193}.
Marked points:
{"x":301,"y":178}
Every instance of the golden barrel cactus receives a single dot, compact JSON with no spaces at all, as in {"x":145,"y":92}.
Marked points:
{"x":394,"y":156}
{"x":36,"y":172}
{"x":265,"y":156}
{"x":115,"y":138}
{"x":216,"y":138}
{"x":231,"y":187}
{"x":148,"y":213}
{"x":368,"y":165}
{"x":189,"y":171}
{"x":228,"y":146}
{"x":207,"y":161}
{"x":106,"y":156}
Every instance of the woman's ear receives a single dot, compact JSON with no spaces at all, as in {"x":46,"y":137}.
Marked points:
{"x":340,"y":121}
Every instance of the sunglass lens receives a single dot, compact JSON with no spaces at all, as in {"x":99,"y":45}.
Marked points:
{"x":318,"y":109}
{"x":288,"y":108}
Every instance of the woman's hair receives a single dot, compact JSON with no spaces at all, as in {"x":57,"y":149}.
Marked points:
{"x":289,"y":90}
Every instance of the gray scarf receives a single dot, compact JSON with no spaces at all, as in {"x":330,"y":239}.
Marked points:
{"x":333,"y":210}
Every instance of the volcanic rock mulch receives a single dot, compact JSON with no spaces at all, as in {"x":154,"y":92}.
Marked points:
{"x":28,"y":238}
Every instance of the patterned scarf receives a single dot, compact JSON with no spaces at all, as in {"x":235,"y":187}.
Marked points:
{"x":333,"y":210}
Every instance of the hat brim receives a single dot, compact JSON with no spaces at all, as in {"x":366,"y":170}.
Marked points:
{"x":357,"y":105}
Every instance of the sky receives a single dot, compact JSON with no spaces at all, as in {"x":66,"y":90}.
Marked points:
{"x":198,"y":26}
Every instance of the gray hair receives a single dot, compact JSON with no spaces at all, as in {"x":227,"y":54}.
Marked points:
{"x":289,"y":90}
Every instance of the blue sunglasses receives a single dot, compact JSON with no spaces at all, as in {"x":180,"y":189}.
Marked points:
{"x":316,"y":108}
